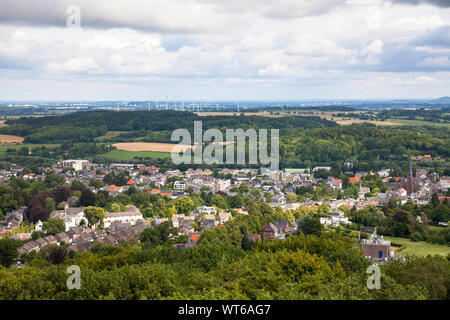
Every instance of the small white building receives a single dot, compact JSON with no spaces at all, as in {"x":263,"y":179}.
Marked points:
{"x":179,"y":185}
{"x":38,"y":226}
{"x":208,"y":210}
{"x":71,"y":216}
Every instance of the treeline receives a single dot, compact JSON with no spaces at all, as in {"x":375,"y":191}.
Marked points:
{"x":408,"y":220}
{"x":433,"y":115}
{"x":84,"y":126}
{"x":301,"y":267}
{"x":363,"y":143}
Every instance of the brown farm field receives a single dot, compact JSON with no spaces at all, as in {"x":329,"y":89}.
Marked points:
{"x":151,"y":146}
{"x":6,"y":139}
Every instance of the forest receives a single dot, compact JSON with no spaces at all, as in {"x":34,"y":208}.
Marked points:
{"x":304,"y":142}
{"x":305,"y":266}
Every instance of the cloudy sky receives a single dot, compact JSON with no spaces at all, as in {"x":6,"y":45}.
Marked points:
{"x":224,"y":49}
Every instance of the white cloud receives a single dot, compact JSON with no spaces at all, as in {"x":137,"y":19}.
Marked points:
{"x":288,"y":43}
{"x":436,"y":62}
{"x":375,"y":47}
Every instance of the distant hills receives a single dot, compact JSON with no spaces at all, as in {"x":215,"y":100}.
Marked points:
{"x":441,"y":100}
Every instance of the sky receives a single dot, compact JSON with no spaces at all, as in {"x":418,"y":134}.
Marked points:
{"x":224,"y":49}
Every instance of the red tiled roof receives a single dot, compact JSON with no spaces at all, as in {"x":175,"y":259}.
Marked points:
{"x":354,"y":179}
{"x":131,"y":181}
{"x":113,"y":187}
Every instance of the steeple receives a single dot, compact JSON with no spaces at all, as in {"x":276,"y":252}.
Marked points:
{"x":410,"y":186}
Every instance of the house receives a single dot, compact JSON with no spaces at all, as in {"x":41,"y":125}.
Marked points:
{"x":202,"y":209}
{"x":282,"y":226}
{"x":62,"y":236}
{"x":41,"y":242}
{"x":179,"y":185}
{"x":185,"y":229}
{"x":50,"y":239}
{"x":223,"y":184}
{"x":224,"y":217}
{"x":72,"y":217}
{"x":74,"y":233}
{"x":131,"y":215}
{"x":28,"y":247}
{"x":321,"y":168}
{"x":110,"y":240}
{"x":38,"y":226}
{"x":269,"y":231}
{"x":336,"y":183}
{"x":209,"y":221}
{"x":114,"y":190}
{"x":14,"y":219}
{"x":376,"y":249}
{"x":384,"y":173}
{"x":179,"y":219}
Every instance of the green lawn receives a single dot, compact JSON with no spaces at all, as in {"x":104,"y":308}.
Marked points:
{"x":419,"y":248}
{"x":120,"y":155}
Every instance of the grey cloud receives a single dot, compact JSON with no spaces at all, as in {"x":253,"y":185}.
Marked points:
{"x":439,"y":37}
{"x":156,"y":16}
{"x":440,"y":3}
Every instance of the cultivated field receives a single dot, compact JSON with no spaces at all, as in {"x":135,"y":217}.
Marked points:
{"x":151,"y":146}
{"x":6,"y":138}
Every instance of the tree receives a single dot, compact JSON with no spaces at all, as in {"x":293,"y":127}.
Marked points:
{"x":94,"y":215}
{"x":291,"y":197}
{"x":54,"y":253}
{"x":157,"y":235}
{"x":184,"y":205}
{"x":243,"y":188}
{"x":87,"y":198}
{"x":8,"y":251}
{"x":49,"y":204}
{"x":311,"y":226}
{"x":435,"y":200}
{"x":54,"y":226}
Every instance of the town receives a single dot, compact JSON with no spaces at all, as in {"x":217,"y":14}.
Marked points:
{"x":283,"y":191}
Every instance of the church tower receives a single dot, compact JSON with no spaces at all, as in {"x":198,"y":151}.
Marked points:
{"x":410,"y":184}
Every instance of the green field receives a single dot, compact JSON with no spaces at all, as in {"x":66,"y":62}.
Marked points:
{"x":120,"y":155}
{"x":419,"y":248}
{"x":406,"y":122}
